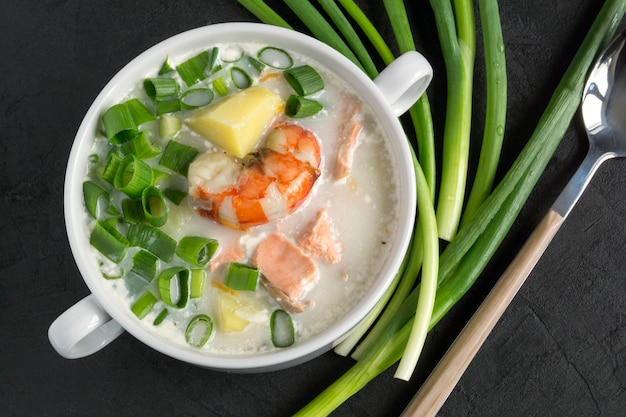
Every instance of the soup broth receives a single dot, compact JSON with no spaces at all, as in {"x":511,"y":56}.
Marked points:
{"x":360,"y":210}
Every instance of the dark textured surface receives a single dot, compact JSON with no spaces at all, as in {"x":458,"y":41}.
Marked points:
{"x":560,"y":349}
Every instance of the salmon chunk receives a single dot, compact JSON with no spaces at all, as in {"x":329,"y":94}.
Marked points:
{"x":231,"y":253}
{"x":320,"y":240}
{"x":287,"y":272}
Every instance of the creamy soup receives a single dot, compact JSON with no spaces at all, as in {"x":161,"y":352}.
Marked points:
{"x":340,"y":227}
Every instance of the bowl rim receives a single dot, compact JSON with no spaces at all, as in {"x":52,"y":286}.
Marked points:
{"x":151,"y":59}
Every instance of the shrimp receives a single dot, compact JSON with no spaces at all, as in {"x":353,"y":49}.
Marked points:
{"x":349,"y":134}
{"x":264,"y":186}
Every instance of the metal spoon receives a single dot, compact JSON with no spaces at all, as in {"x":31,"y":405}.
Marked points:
{"x":604,"y":115}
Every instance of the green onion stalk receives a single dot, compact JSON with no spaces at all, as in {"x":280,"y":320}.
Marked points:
{"x":457,"y":37}
{"x":495,"y":119}
{"x":505,"y":202}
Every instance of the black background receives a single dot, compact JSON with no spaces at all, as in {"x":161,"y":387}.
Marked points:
{"x":560,"y":349}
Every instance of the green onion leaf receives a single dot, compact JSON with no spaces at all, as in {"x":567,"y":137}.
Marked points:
{"x":281,"y":329}
{"x":174,"y":286}
{"x":240,"y":78}
{"x":177,"y":157}
{"x":192,"y":70}
{"x":160,"y":88}
{"x":160,"y":317}
{"x":196,"y":250}
{"x":132,"y":211}
{"x":275,"y":57}
{"x":219,"y":84}
{"x":142,"y":306}
{"x":299,"y":107}
{"x":139,"y":111}
{"x":304,"y":79}
{"x":110,"y":167}
{"x":145,"y":264}
{"x":132,"y":176}
{"x":95,"y":198}
{"x":141,"y":147}
{"x":154,"y":207}
{"x":119,"y":124}
{"x":152,"y":239}
{"x":255,"y":64}
{"x":175,"y":196}
{"x":169,"y":126}
{"x":171,"y":105}
{"x":196,"y":287}
{"x":166,"y":68}
{"x":241,"y":277}
{"x":108,"y":241}
{"x":199,"y":330}
{"x":196,"y":97}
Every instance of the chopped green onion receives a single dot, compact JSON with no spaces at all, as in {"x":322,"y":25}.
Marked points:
{"x":142,"y":306}
{"x":139,"y":111}
{"x":196,"y":287}
{"x":95,"y":197}
{"x":177,"y":157}
{"x":141,"y":147}
{"x":241,"y":277}
{"x":158,"y":175}
{"x":171,"y":105}
{"x":304,"y":79}
{"x":166,"y":68}
{"x":112,"y":210}
{"x":132,"y":211}
{"x":160,"y":317}
{"x":169,"y":126}
{"x":220,"y":86}
{"x":240,"y":78}
{"x":255,"y":64}
{"x":108,"y":241}
{"x":132,"y":176}
{"x":110,"y":167}
{"x":174,"y":286}
{"x":275,"y":57}
{"x":299,"y":107}
{"x":119,"y":273}
{"x":213,"y":58}
{"x":160,"y":88}
{"x":152,"y":239}
{"x":154,"y":207}
{"x":119,"y":125}
{"x":145,"y":264}
{"x":231,"y":53}
{"x":199,"y":330}
{"x":94,"y":158}
{"x":281,"y":328}
{"x":192,"y":70}
{"x":196,"y":250}
{"x":175,"y":196}
{"x":196,"y":97}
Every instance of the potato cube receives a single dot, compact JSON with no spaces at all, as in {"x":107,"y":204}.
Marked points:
{"x":229,"y":321}
{"x":236,"y":123}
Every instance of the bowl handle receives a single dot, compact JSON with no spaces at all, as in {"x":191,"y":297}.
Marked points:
{"x":83,"y":329}
{"x":404,"y":81}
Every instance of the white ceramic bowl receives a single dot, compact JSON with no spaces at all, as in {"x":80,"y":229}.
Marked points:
{"x":97,"y":320}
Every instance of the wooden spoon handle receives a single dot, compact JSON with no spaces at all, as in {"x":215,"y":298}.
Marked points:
{"x":448,"y":372}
